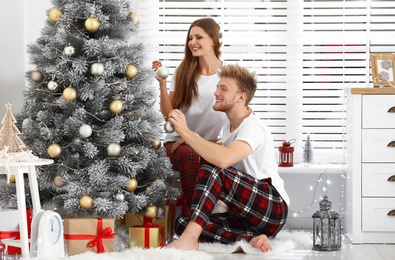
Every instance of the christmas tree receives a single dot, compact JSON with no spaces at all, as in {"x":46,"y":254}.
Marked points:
{"x":89,"y":106}
{"x":307,"y":151}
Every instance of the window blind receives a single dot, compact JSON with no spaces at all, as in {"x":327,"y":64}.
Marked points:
{"x":305,"y":54}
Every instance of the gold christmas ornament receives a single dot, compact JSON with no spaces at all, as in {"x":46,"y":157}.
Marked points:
{"x":97,"y":69}
{"x":70,"y":93}
{"x":58,"y":181}
{"x":86,"y":202}
{"x":12,"y":178}
{"x":135,"y":17}
{"x":54,"y":150}
{"x":53,"y":86}
{"x":69,"y":50}
{"x":156,"y":144}
{"x":37,"y":76}
{"x":54,"y":14}
{"x":132,"y":185}
{"x":162,"y":73}
{"x":114,"y":149}
{"x":116,"y":106}
{"x":151,"y":212}
{"x":92,"y":24}
{"x":131,"y":71}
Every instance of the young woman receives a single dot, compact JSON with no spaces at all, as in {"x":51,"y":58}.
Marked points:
{"x":191,"y":91}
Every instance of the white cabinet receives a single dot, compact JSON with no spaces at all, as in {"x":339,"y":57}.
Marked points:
{"x":370,"y":182}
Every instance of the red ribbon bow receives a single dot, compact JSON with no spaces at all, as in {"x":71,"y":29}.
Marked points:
{"x":97,"y":240}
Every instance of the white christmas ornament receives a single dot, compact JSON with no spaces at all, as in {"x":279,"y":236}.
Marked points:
{"x":97,"y":69}
{"x":85,"y":131}
{"x":69,"y":50}
{"x":52,"y":85}
{"x":113,"y":149}
{"x":162,"y":73}
{"x":168,"y":127}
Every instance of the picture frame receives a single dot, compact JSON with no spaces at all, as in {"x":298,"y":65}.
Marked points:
{"x":383,"y":69}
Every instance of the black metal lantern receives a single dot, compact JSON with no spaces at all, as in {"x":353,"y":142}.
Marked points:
{"x":326,"y":227}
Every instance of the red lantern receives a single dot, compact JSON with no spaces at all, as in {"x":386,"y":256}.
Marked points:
{"x":286,"y":154}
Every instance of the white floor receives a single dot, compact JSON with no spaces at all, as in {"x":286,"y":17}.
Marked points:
{"x":347,"y":252}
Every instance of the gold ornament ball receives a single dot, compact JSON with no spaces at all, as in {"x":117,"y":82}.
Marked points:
{"x":116,"y":106}
{"x":156,"y":144}
{"x":36,"y":76}
{"x":58,"y":181}
{"x":151,"y":212}
{"x":12,"y":179}
{"x":92,"y":24}
{"x":54,"y":150}
{"x":86,"y":202}
{"x":70,"y":93}
{"x":135,"y":17}
{"x":131,"y":71}
{"x":54,"y":14}
{"x":132,"y":185}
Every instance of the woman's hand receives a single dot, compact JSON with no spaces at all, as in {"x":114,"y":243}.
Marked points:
{"x":155,"y":66}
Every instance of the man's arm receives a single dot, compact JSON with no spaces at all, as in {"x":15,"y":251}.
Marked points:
{"x":216,"y":154}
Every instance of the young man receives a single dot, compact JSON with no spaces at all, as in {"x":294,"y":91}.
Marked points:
{"x":242,"y":172}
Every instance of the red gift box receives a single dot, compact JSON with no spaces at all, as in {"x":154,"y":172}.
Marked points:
{"x":14,"y":233}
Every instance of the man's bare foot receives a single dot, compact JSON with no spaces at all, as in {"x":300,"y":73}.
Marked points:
{"x":184,"y":244}
{"x":261,"y":242}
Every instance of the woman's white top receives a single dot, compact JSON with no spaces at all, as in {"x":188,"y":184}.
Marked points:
{"x":261,"y":163}
{"x":200,"y":116}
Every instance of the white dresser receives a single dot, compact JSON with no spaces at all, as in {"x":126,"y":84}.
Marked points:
{"x":370,"y":182}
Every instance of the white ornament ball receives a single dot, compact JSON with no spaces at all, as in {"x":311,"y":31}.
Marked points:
{"x":119,"y":196}
{"x":69,"y":50}
{"x":168,"y":127}
{"x":27,"y":123}
{"x":161,"y":213}
{"x":113,"y":149}
{"x":85,"y":131}
{"x":97,"y":69}
{"x":53,"y":86}
{"x":162,"y":73}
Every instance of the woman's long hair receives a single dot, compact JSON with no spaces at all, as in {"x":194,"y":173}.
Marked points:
{"x":186,"y":90}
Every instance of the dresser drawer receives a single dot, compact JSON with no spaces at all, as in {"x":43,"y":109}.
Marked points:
{"x":375,"y":214}
{"x":375,"y":111}
{"x":375,"y":145}
{"x":378,"y":180}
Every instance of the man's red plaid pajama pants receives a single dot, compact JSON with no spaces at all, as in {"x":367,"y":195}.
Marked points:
{"x":255,"y":206}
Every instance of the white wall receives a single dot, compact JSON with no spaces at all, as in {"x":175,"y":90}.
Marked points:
{"x":20,"y":24}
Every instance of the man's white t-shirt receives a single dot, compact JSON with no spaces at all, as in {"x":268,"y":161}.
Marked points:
{"x":200,"y":116}
{"x":261,"y":163}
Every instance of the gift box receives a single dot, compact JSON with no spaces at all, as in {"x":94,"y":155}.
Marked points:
{"x":9,"y":227}
{"x":88,"y":234}
{"x":147,"y":235}
{"x":132,"y":220}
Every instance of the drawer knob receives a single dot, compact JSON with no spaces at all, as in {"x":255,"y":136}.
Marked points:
{"x":391,"y":144}
{"x":391,"y":213}
{"x":392,"y":178}
{"x":391,"y":110}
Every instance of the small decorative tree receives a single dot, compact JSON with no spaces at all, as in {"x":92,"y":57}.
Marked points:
{"x":9,"y":133}
{"x":307,"y":151}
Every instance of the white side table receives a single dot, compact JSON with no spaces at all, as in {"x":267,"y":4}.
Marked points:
{"x":18,"y":169}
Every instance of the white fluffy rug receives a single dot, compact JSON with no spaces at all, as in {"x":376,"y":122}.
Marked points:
{"x":284,"y":241}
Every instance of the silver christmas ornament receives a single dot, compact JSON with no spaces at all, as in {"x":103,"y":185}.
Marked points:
{"x":69,"y":50}
{"x":162,"y":73}
{"x":113,"y":149}
{"x":53,"y":86}
{"x":97,"y":69}
{"x":119,"y":196}
{"x":168,"y":127}
{"x":161,"y":213}
{"x":85,"y":131}
{"x":27,"y":123}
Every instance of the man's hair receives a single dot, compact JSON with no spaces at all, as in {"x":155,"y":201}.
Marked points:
{"x":245,"y":80}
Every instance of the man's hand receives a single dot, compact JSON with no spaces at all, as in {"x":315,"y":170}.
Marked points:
{"x":177,"y":119}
